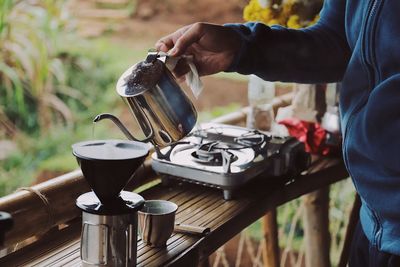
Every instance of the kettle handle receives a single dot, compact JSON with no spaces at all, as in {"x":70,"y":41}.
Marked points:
{"x":119,"y":124}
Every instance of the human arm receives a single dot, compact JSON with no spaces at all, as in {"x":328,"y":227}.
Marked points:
{"x":316,"y":54}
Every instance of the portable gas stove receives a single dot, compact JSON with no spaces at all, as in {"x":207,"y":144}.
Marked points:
{"x":227,"y":157}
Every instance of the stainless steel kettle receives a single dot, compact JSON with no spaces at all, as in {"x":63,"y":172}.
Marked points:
{"x":161,"y":108}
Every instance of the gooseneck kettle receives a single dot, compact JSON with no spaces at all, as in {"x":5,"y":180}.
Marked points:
{"x":159,"y":105}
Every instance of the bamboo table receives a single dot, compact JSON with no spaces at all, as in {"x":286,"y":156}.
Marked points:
{"x":199,"y":206}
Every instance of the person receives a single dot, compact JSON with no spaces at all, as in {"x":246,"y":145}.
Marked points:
{"x":355,"y":42}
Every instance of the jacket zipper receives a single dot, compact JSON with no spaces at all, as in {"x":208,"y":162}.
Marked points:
{"x":368,"y":59}
{"x":368,"y":42}
{"x":370,"y":11}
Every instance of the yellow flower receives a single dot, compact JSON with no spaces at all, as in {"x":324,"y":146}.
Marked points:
{"x":273,"y":22}
{"x":266,"y":15}
{"x":294,"y":22}
{"x":283,"y":14}
{"x":247,"y":13}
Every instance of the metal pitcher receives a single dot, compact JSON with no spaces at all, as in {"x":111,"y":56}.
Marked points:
{"x":163,"y":110}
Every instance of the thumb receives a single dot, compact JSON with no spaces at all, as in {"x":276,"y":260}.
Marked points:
{"x":190,"y":37}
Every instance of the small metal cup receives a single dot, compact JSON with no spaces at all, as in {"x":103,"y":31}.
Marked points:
{"x":156,"y":222}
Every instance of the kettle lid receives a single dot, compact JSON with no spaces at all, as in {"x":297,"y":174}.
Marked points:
{"x":128,"y":202}
{"x":110,"y":150}
{"x":139,"y":78}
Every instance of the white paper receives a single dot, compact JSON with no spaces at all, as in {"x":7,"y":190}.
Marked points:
{"x":193,"y":80}
{"x":192,"y":77}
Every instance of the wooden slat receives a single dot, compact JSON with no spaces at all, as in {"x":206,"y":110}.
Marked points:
{"x":46,"y":248}
{"x":172,"y":251}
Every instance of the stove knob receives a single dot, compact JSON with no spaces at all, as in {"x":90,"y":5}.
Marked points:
{"x":303,"y":160}
{"x":6,"y":223}
{"x":300,"y":160}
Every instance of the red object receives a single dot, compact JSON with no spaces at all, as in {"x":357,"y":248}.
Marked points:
{"x":310,"y":133}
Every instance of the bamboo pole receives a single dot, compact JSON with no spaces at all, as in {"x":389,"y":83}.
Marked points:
{"x":316,"y":228}
{"x":351,"y":227}
{"x":316,"y":208}
{"x":270,"y":253}
{"x":240,"y":116}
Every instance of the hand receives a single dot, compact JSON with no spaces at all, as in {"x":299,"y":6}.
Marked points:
{"x":213,"y":47}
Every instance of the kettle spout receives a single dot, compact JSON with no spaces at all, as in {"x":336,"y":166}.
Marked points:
{"x":117,"y":122}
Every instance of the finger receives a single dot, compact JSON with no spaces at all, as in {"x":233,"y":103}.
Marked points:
{"x":181,"y":79}
{"x":167,"y":42}
{"x":192,"y":35}
{"x":160,"y":46}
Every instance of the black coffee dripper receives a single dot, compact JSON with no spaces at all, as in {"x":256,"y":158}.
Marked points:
{"x":109,"y":214}
{"x":108,"y":165}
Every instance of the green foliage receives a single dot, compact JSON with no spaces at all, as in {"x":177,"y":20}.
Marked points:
{"x":52,"y":84}
{"x":91,"y":69}
{"x":32,"y":75}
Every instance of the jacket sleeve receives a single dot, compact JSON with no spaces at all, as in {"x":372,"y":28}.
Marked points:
{"x":319,"y":53}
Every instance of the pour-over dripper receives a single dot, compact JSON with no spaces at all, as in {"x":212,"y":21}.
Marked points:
{"x":108,"y":165}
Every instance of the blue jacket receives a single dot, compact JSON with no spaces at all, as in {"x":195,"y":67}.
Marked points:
{"x":356,"y":42}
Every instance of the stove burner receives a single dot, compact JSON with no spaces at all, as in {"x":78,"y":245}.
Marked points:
{"x":251,"y":139}
{"x":245,"y":139}
{"x":210,"y":154}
